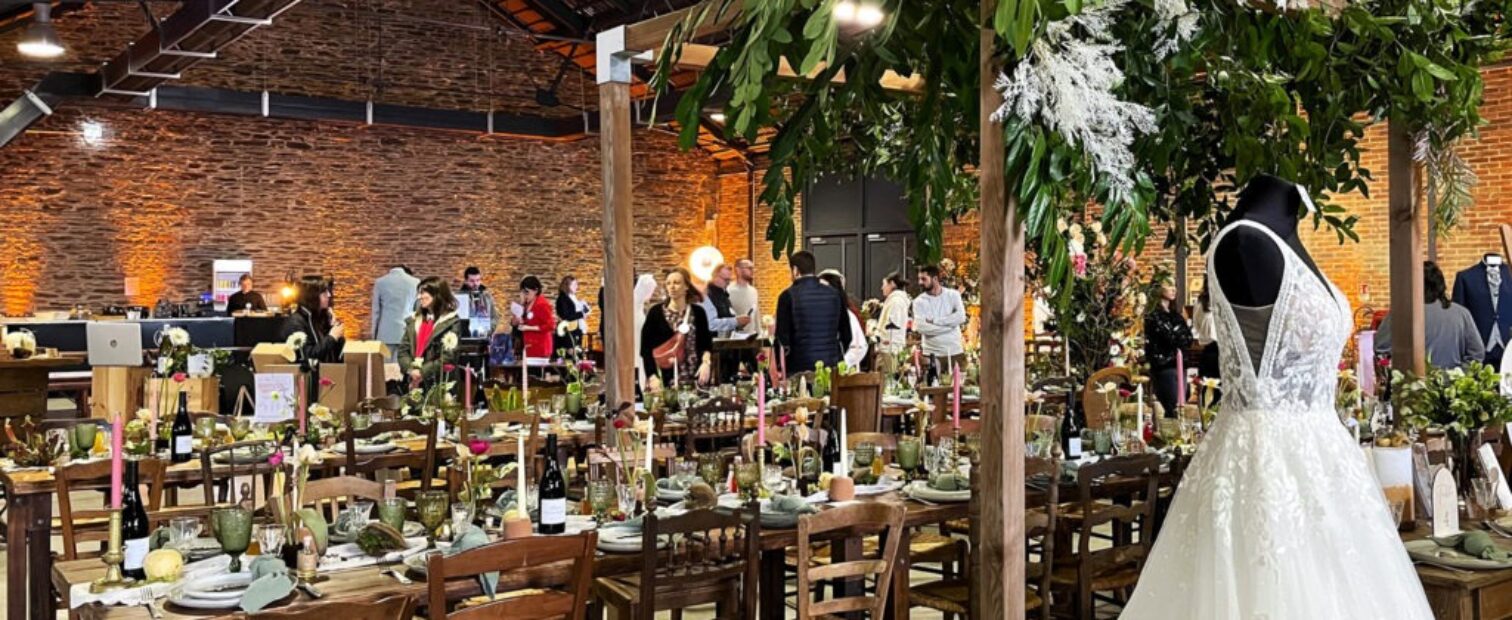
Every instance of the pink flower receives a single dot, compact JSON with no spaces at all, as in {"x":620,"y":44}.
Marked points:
{"x":449,"y":367}
{"x":327,"y":382}
{"x":479,"y":447}
{"x":784,"y":420}
{"x":619,"y":423}
{"x":275,"y":459}
{"x":179,"y":377}
{"x":1079,"y":265}
{"x":761,"y":357}
{"x":1124,"y":393}
{"x":585,"y":365}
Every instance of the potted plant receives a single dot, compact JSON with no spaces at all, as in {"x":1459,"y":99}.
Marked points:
{"x":1461,"y":402}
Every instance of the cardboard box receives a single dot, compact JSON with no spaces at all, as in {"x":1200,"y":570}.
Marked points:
{"x":117,"y":389}
{"x":345,"y":389}
{"x":267,"y":354}
{"x":204,"y":393}
{"x":368,"y":356}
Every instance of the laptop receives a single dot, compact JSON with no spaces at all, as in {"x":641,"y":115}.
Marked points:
{"x":114,"y":343}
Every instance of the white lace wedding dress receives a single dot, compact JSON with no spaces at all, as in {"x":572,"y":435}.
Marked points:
{"x":1279,"y":516}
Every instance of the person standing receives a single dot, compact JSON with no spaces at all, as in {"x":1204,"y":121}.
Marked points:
{"x":424,"y":352}
{"x":324,"y":335}
{"x":676,"y":333}
{"x":856,"y":349}
{"x":246,"y":299}
{"x":1166,"y":333}
{"x":811,"y":319}
{"x":539,"y":322}
{"x":393,"y":303}
{"x":743,"y":297}
{"x":571,"y":314}
{"x":938,"y":315}
{"x":482,"y":313}
{"x":892,"y":322}
{"x":717,"y":306}
{"x":1450,"y":336}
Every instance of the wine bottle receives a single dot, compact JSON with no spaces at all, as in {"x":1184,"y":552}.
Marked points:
{"x":553,"y":493}
{"x":135,"y":531}
{"x":1071,"y":442}
{"x":831,"y":454}
{"x":183,"y":431}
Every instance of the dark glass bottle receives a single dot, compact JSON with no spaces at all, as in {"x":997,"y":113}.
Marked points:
{"x":1071,"y":443}
{"x":135,"y":530}
{"x":553,"y":493}
{"x":830,"y":455}
{"x":183,"y":432}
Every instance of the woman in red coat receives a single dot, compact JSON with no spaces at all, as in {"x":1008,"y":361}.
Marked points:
{"x":539,"y":322}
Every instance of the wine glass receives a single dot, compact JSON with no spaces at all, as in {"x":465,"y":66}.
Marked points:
{"x":601,"y":498}
{"x":84,"y":438}
{"x":431,"y":506}
{"x":711,"y":469}
{"x":233,"y":528}
{"x":771,"y":478}
{"x":747,"y":476}
{"x":908,"y":454}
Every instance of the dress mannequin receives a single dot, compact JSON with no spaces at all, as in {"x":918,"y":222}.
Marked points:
{"x":1247,"y":262}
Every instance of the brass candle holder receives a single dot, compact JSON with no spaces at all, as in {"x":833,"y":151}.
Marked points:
{"x":114,"y":556}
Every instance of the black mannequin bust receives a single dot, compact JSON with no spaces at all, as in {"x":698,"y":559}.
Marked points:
{"x":1247,"y":262}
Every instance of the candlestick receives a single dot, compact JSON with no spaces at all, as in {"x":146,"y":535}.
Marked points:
{"x":520,"y":468}
{"x":113,"y":580}
{"x":467,"y":391}
{"x":1181,"y":395}
{"x":1139,"y":397}
{"x":843,"y":467}
{"x":760,"y":409}
{"x":955,"y":380}
{"x":117,"y":432}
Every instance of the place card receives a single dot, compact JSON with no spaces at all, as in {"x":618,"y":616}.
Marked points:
{"x":1489,"y":463}
{"x":1445,"y":504}
{"x":274,"y":397}
{"x":200,"y":365}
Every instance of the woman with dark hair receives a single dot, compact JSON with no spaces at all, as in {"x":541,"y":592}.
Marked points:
{"x":1450,"y":337}
{"x":324,"y":335}
{"x":1166,"y":333}
{"x":571,"y":314}
{"x":539,"y":322}
{"x":855,"y":351}
{"x":676,"y":333}
{"x":431,"y":334}
{"x":892,"y":323}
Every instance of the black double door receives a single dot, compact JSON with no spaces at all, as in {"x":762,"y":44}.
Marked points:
{"x":859,"y":227}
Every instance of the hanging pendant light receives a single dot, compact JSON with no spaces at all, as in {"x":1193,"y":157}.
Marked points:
{"x":40,"y":39}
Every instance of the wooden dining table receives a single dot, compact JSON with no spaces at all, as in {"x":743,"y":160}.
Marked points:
{"x":364,"y":582}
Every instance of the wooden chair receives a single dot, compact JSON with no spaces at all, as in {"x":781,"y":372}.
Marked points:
{"x":392,"y":607}
{"x":1094,"y":404}
{"x":717,"y":422}
{"x":252,"y":470}
{"x":952,"y":597}
{"x":709,"y":556}
{"x":845,"y":523}
{"x":792,"y":405}
{"x":549,"y":597}
{"x":1119,"y":492}
{"x":532,"y":421}
{"x":424,"y":461}
{"x":860,"y":396}
{"x":327,"y":495}
{"x":81,"y":525}
{"x":456,"y":479}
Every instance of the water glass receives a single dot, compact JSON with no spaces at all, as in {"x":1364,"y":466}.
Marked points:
{"x":204,"y":429}
{"x":240,"y":428}
{"x":391,"y":512}
{"x":84,"y":438}
{"x":865,"y":452}
{"x":461,"y":515}
{"x":772,"y":478}
{"x":559,"y":403}
{"x":908,"y":453}
{"x":362,"y":511}
{"x":747,"y":476}
{"x":625,"y":494}
{"x":361,"y":421}
{"x":1485,"y":495}
{"x":271,"y":537}
{"x":601,"y":498}
{"x":233,"y":528}
{"x":183,"y":530}
{"x":684,"y":471}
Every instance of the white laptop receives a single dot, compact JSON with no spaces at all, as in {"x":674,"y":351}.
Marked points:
{"x":114,"y":343}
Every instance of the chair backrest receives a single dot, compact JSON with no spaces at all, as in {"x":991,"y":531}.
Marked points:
{"x":1094,"y":403}
{"x":456,"y":477}
{"x":95,"y":476}
{"x":550,"y":598}
{"x":1132,"y":482}
{"x":714,"y":420}
{"x":792,"y":405}
{"x":860,"y":395}
{"x":234,"y":468}
{"x":1040,"y":524}
{"x":939,"y":399}
{"x":392,"y":607}
{"x":702,"y":545}
{"x":530,"y":421}
{"x":946,"y":429}
{"x":856,"y":520}
{"x":425,"y":461}
{"x":327,"y":495}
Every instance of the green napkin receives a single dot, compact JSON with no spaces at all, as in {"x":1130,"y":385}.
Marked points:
{"x":1477,"y":544}
{"x":790,"y":504}
{"x":158,"y":539}
{"x":950,"y":482}
{"x":505,"y":501}
{"x":471,"y":537}
{"x":270,"y":582}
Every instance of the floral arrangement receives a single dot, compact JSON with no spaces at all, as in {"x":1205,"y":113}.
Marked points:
{"x":1460,"y":401}
{"x":34,"y":451}
{"x":788,"y":446}
{"x":21,"y":344}
{"x":1099,"y":315}
{"x":438,"y":399}
{"x":478,"y":476}
{"x":290,"y":476}
{"x":1207,"y":400}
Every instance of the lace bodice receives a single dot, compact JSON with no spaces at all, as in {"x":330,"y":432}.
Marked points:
{"x":1309,"y":325}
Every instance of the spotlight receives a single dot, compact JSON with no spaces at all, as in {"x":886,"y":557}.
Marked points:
{"x":40,"y":39}
{"x":703,"y":261}
{"x":92,"y":133}
{"x":287,"y":292}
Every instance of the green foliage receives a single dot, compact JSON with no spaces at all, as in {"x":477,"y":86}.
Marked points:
{"x":1460,"y":401}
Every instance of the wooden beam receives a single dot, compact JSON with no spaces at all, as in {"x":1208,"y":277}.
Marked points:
{"x":1406,"y":229}
{"x":698,"y":56}
{"x":1000,"y":491}
{"x":651,"y":33}
{"x":619,"y":263}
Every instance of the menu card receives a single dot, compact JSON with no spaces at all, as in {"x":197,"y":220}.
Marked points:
{"x":1445,"y":504}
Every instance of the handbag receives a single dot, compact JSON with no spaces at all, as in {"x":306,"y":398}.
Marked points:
{"x":666,"y":353}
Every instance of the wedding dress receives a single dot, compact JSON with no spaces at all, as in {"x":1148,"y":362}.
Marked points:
{"x":1279,"y":516}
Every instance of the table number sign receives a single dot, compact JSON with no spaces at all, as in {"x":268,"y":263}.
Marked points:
{"x":274,"y":397}
{"x":1445,"y":504}
{"x":1490,"y":464}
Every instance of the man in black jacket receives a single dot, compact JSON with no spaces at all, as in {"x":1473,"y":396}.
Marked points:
{"x":812,"y":325}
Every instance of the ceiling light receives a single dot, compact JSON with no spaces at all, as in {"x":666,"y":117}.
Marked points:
{"x":40,"y":39}
{"x":703,"y":261}
{"x":845,"y":11}
{"x":869,"y":15}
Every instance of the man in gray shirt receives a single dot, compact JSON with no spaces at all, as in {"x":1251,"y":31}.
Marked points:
{"x":1450,"y":337}
{"x":393,"y":301}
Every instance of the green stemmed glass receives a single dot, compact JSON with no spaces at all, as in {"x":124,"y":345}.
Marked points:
{"x":908,"y":454}
{"x":748,"y":476}
{"x":233,"y":528}
{"x":711,"y":469}
{"x":84,"y":439}
{"x":601,"y":497}
{"x":433,"y":507}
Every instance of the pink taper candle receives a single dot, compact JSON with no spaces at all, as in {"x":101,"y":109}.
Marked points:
{"x":760,"y":409}
{"x":1181,"y":394}
{"x":117,"y":431}
{"x":955,"y":382}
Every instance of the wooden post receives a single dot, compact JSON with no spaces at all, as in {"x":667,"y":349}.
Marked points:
{"x":619,"y":263}
{"x":1406,"y":228}
{"x":999,"y":591}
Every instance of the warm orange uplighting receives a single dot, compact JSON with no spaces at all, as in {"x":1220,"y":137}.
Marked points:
{"x":287,"y":292}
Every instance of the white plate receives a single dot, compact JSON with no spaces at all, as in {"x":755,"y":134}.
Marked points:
{"x":200,"y":548}
{"x":183,"y":600}
{"x":374,"y":448}
{"x":619,"y":540}
{"x":921,"y":490}
{"x":869,"y":490}
{"x":218,"y":587}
